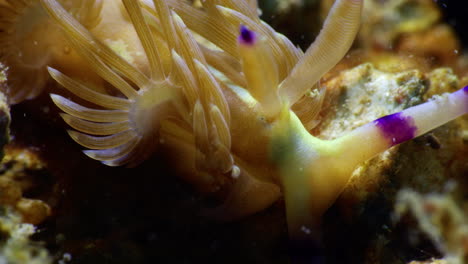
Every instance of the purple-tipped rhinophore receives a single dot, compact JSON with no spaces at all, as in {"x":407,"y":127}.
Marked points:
{"x":466,"y":89}
{"x":463,"y":93}
{"x":247,"y":36}
{"x":396,"y":128}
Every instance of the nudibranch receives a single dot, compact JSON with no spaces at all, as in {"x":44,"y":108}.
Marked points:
{"x":228,"y":99}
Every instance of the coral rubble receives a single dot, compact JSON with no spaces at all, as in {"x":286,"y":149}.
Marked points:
{"x":439,"y":216}
{"x":15,"y":245}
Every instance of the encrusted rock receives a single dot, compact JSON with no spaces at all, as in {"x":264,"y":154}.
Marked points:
{"x":362,"y":94}
{"x":385,"y":21}
{"x":16,"y":172}
{"x":365,"y":208}
{"x":13,"y":176}
{"x":15,"y":245}
{"x":441,"y":218}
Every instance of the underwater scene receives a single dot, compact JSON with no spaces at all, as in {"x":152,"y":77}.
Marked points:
{"x":233,"y":131}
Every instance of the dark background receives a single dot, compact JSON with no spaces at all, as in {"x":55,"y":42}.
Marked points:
{"x":456,"y":14}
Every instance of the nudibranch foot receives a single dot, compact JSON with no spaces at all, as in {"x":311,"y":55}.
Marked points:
{"x":238,"y":205}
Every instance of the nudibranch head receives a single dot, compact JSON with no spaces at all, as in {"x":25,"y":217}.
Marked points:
{"x":234,"y":109}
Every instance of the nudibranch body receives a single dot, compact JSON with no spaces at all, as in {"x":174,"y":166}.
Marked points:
{"x":228,"y":98}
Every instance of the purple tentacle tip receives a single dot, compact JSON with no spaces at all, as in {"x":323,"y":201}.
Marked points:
{"x":247,"y":36}
{"x":396,"y":128}
{"x":465,"y":93}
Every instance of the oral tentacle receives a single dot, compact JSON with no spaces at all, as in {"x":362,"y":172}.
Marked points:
{"x":314,"y":172}
{"x":373,"y":138}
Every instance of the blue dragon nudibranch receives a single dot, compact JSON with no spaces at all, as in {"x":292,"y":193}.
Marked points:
{"x":216,"y":88}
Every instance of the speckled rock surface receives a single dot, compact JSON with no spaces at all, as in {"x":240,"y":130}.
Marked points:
{"x":365,"y":208}
{"x":440,"y":217}
{"x":15,"y":244}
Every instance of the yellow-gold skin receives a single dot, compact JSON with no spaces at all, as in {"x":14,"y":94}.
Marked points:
{"x":235,"y":106}
{"x":30,"y":41}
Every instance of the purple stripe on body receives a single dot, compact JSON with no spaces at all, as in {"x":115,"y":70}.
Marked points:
{"x":465,"y":90}
{"x":247,"y":36}
{"x":464,"y":94}
{"x":396,"y":128}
